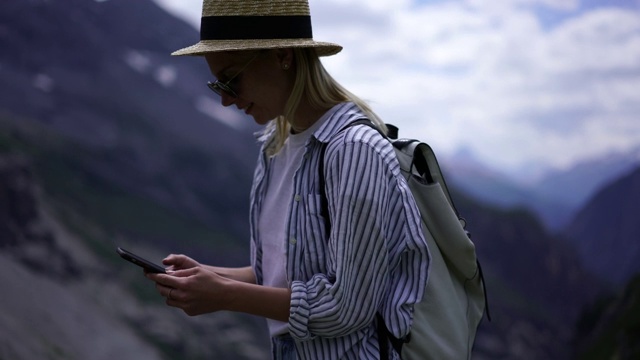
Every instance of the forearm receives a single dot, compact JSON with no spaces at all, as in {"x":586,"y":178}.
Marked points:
{"x":268,"y":302}
{"x":244,"y":274}
{"x":318,"y":307}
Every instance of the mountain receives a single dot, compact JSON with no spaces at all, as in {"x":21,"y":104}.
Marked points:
{"x":126,"y":146}
{"x":576,"y":185}
{"x":482,"y":182}
{"x":106,"y":140}
{"x":535,"y":283}
{"x":66,"y":295}
{"x":99,"y":74}
{"x":554,"y":195}
{"x":610,"y":328}
{"x":606,"y":230}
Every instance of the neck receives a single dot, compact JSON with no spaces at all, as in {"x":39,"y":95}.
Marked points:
{"x":305,"y":117}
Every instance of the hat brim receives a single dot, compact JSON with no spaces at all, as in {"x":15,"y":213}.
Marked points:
{"x":210,"y":46}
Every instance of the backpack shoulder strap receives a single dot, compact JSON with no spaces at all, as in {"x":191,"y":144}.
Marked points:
{"x":323,"y":193}
{"x":422,"y":161}
{"x":384,"y":336}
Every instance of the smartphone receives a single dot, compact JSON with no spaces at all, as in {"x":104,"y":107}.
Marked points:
{"x":144,"y":263}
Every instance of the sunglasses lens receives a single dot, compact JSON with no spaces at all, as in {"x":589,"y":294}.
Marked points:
{"x":219,"y":88}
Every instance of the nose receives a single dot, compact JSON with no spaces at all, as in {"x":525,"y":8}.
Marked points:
{"x":226,"y":99}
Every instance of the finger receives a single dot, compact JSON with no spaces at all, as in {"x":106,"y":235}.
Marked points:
{"x":174,"y":298}
{"x":174,"y":303}
{"x":167,"y":280}
{"x":185,"y":272}
{"x":163,"y":289}
{"x":175,"y":260}
{"x":174,"y":278}
{"x":156,"y":277}
{"x":170,"y":259}
{"x":174,"y":295}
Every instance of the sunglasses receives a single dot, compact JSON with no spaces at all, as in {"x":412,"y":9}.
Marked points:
{"x":226,"y":87}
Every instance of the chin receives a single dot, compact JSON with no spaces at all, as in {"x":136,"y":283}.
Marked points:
{"x":261,"y":118}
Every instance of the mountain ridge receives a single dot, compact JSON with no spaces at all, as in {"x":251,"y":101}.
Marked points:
{"x":556,"y":197}
{"x":96,"y":99}
{"x":608,"y":239}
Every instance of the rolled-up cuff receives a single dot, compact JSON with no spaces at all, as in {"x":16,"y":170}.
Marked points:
{"x":299,"y":312}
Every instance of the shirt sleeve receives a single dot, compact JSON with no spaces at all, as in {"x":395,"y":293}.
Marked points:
{"x":366,"y":246}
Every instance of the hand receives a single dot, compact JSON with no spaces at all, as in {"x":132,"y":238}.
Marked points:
{"x":196,"y":290}
{"x":179,"y":262}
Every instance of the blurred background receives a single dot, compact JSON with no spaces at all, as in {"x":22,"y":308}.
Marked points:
{"x":106,"y":140}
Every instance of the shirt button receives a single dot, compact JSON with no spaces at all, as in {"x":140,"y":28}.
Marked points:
{"x":298,"y":197}
{"x":292,"y":241}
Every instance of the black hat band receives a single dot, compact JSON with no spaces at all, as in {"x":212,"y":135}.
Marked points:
{"x":255,"y":27}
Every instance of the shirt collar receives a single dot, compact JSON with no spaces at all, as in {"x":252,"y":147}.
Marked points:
{"x":343,"y":114}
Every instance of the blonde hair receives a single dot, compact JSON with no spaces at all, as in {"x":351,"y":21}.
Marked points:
{"x":321,"y":91}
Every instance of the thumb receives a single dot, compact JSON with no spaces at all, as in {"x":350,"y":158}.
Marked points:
{"x":173,"y":259}
{"x":183,"y":272}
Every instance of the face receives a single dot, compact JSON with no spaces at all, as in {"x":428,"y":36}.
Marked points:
{"x":258,"y":79}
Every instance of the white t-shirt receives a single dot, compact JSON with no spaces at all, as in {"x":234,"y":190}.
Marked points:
{"x":273,"y":215}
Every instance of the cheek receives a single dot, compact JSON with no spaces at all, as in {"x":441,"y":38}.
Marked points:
{"x":274,"y":89}
{"x":270,"y":101}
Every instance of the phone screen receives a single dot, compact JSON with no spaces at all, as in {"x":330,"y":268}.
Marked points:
{"x":144,"y":263}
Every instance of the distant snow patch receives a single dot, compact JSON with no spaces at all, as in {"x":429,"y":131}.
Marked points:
{"x":137,"y":61}
{"x":166,"y":75}
{"x":220,"y":113}
{"x":43,"y":82}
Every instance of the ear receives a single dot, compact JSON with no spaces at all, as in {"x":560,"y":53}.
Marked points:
{"x":285,"y":58}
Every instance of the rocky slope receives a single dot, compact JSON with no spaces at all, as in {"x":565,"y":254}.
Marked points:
{"x":60,"y":300}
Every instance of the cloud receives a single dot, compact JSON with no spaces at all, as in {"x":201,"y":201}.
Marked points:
{"x":187,"y":10}
{"x":496,"y":80}
{"x":492,"y":76}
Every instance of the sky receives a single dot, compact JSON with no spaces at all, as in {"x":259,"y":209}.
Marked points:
{"x":517,"y":83}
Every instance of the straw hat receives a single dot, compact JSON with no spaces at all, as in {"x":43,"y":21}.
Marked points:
{"x":228,"y":25}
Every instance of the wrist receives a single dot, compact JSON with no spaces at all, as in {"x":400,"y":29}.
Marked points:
{"x":269,"y":302}
{"x":235,"y":291}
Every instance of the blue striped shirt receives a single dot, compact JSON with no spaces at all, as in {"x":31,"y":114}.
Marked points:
{"x":374,"y":259}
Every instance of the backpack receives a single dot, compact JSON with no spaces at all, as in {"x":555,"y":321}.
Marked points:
{"x":445,"y":321}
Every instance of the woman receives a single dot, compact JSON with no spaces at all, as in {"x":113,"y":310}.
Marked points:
{"x":327,"y":254}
